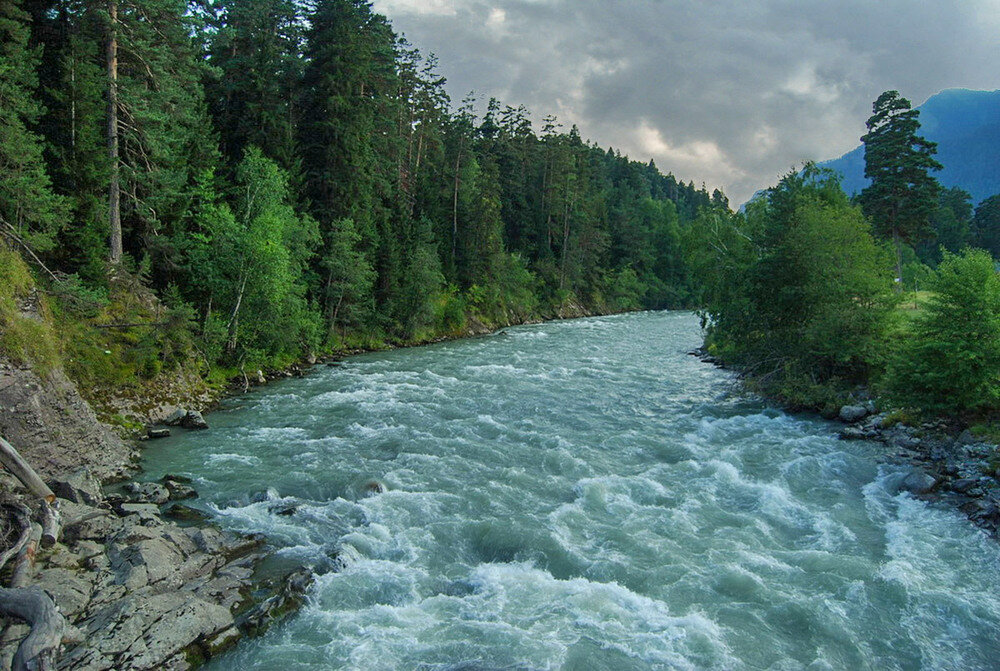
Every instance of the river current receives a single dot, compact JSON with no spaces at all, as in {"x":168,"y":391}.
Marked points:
{"x":582,"y":495}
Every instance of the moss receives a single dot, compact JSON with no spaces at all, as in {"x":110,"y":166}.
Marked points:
{"x":25,"y":338}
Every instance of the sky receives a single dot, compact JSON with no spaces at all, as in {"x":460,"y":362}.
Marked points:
{"x":729,"y":93}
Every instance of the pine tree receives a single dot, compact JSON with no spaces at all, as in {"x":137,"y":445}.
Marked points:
{"x":903,"y":194}
{"x":29,"y":210}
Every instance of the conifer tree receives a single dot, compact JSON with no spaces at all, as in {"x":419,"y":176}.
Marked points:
{"x":903,"y":194}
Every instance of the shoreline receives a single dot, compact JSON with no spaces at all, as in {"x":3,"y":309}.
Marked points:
{"x":947,"y":465}
{"x":150,"y":582}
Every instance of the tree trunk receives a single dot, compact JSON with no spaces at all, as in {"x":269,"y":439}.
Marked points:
{"x":899,"y":260}
{"x":114,"y":189}
{"x":454,"y":212}
{"x":234,"y":318}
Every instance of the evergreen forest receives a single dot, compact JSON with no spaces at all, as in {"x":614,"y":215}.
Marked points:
{"x":261,"y":181}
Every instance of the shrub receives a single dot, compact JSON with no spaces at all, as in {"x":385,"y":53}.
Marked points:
{"x":949,"y":363}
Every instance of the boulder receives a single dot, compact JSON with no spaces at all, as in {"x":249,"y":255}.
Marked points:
{"x":176,"y":418}
{"x":194,"y":420}
{"x":80,"y":487}
{"x":963,"y":485}
{"x":179,"y":491}
{"x":183,"y":513}
{"x":853,"y":413}
{"x":158,"y":433}
{"x":918,"y":481}
{"x":147,"y":492}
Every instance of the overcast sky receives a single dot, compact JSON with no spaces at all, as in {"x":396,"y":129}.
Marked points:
{"x":732,"y":93}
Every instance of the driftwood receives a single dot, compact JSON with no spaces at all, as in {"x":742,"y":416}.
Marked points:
{"x":49,"y":630}
{"x":10,"y":458}
{"x":23,"y":517}
{"x":25,"y":562}
{"x":50,"y":524}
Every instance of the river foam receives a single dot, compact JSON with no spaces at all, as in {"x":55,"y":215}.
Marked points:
{"x":583,"y":495}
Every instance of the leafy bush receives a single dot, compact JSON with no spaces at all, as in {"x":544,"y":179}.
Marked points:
{"x":949,"y":363}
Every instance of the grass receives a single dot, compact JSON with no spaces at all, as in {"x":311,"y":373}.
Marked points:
{"x":25,"y":338}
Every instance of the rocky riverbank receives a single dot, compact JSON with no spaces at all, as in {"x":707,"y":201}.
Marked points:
{"x":142,"y":591}
{"x":947,"y":463}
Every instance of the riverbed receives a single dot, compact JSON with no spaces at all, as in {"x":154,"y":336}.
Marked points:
{"x":582,"y":495}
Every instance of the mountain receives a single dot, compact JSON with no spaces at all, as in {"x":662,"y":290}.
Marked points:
{"x":966,"y":126}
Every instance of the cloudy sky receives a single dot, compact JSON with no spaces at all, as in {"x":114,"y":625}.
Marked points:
{"x":732,"y":93}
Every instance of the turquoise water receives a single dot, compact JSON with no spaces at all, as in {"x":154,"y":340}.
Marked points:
{"x":583,"y":495}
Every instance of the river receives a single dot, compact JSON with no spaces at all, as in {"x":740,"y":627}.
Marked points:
{"x":582,"y":495}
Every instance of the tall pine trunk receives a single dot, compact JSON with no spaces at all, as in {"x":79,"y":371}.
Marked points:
{"x":114,"y":189}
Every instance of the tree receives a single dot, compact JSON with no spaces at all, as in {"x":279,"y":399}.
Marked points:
{"x":903,"y":194}
{"x":986,"y":225}
{"x":950,"y":363}
{"x":28,"y":207}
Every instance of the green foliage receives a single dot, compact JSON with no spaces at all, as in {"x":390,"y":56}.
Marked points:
{"x":902,"y":195}
{"x":26,"y":335}
{"x":798,"y":293}
{"x":986,"y":225}
{"x":950,"y":361}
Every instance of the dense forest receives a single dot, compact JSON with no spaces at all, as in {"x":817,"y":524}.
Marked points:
{"x":263,"y":180}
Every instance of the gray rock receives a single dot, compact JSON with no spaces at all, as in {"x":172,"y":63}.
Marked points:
{"x":854,"y":433}
{"x":176,"y":417}
{"x":147,"y":492}
{"x":966,"y":438}
{"x":158,"y":433}
{"x":918,"y":481}
{"x":179,"y":491}
{"x":853,"y":413}
{"x":963,"y":485}
{"x":183,"y":513}
{"x":80,"y":487}
{"x":194,"y":420}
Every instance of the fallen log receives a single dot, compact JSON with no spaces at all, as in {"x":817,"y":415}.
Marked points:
{"x":50,"y":524}
{"x":25,"y":563}
{"x":40,"y":648}
{"x":14,"y":463}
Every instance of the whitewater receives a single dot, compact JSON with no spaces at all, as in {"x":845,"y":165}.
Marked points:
{"x":582,"y":495}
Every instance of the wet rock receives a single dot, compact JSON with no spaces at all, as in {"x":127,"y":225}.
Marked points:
{"x":179,"y":491}
{"x":918,"y":481}
{"x":373,"y":487}
{"x":147,"y":492}
{"x":158,"y":433}
{"x":963,"y":485}
{"x":284,"y":509}
{"x":856,"y":433}
{"x":194,"y":420}
{"x":183,"y":513}
{"x":80,"y":487}
{"x":853,"y":413}
{"x":287,"y":598}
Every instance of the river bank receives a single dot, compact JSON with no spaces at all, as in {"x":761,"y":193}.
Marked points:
{"x":948,"y":463}
{"x":139,"y":557}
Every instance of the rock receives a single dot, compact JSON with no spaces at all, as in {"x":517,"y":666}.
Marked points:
{"x":373,"y":487}
{"x":963,"y":485}
{"x":176,"y":418}
{"x":918,"y":481}
{"x":148,"y":514}
{"x":966,"y":438}
{"x":194,"y":420}
{"x":179,"y":491}
{"x":284,"y":509}
{"x":158,"y":433}
{"x":854,"y":433}
{"x":80,"y":487}
{"x":853,"y":413}
{"x":183,"y":513}
{"x":147,"y":492}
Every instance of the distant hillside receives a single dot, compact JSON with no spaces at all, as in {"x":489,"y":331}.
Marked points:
{"x":966,"y":126}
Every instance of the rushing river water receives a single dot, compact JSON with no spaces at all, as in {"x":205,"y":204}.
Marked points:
{"x":583,"y":495}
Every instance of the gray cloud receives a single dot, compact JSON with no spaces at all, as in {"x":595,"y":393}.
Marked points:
{"x":732,"y":93}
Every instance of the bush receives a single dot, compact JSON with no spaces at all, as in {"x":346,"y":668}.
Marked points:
{"x":949,"y":363}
